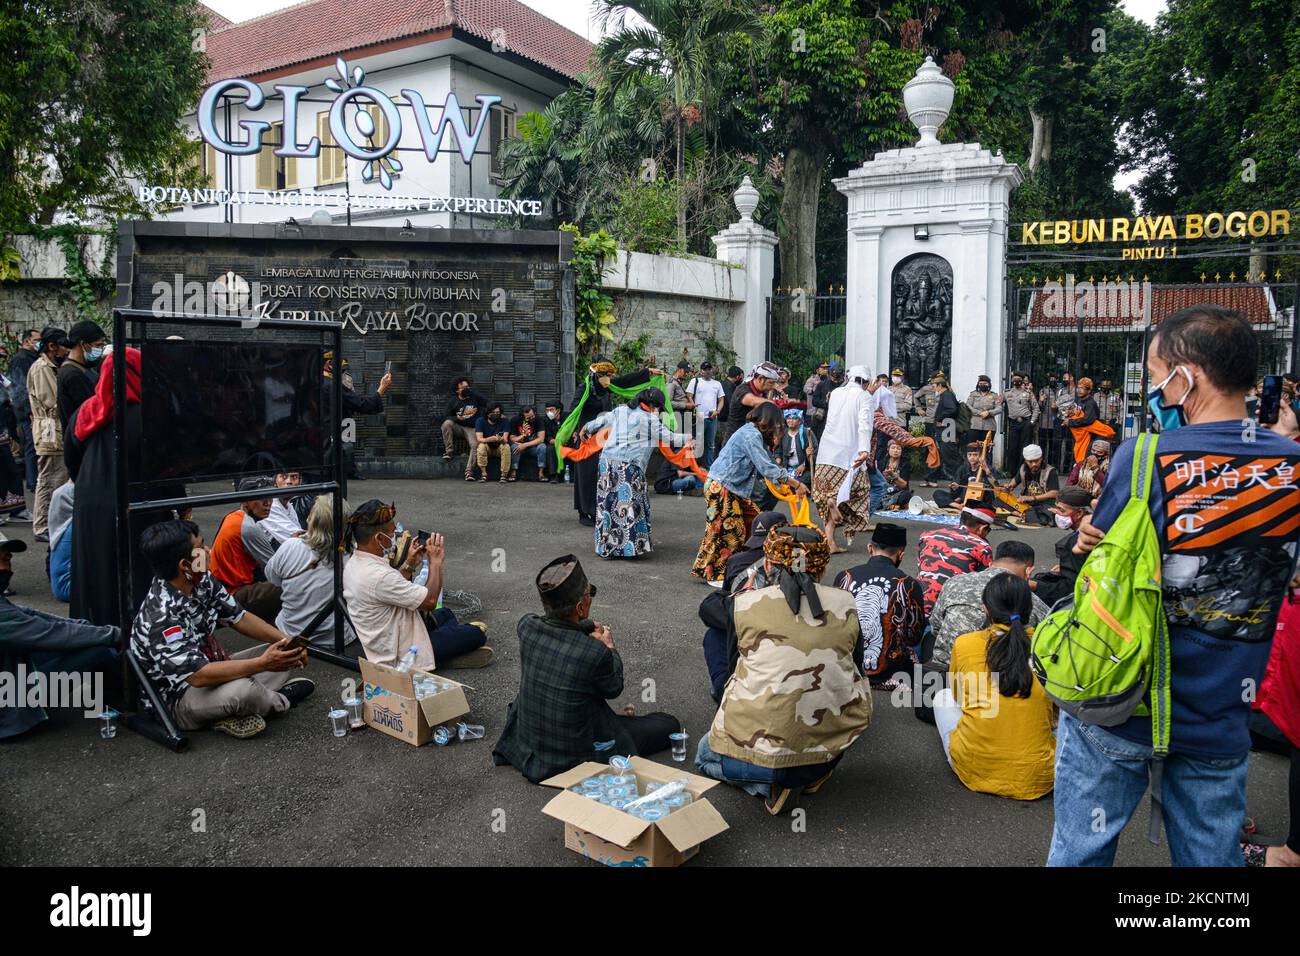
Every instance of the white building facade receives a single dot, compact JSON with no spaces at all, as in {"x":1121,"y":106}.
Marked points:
{"x":501,"y":59}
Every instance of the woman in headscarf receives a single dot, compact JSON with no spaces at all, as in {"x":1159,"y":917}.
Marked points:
{"x":89,"y":453}
{"x":774,"y":732}
{"x":622,"y":504}
{"x":735,"y":481}
{"x":596,"y":401}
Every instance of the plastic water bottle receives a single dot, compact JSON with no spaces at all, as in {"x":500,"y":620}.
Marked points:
{"x":567,"y":479}
{"x":408,"y":661}
{"x":422,"y":576}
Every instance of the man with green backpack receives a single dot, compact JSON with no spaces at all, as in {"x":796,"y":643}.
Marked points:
{"x":1156,"y":663}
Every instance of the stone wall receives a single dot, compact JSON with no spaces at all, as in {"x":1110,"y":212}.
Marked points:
{"x":41,"y":295}
{"x":679,"y":302}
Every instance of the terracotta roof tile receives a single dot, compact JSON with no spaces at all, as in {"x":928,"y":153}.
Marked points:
{"x":1248,"y":300}
{"x":326,"y":28}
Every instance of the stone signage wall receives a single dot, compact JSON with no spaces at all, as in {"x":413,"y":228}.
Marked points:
{"x":492,"y":305}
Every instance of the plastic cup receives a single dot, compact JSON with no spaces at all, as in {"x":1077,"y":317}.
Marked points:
{"x":679,"y":745}
{"x":339,"y":721}
{"x":354,"y":707}
{"x":107,"y":725}
{"x":470,"y":731}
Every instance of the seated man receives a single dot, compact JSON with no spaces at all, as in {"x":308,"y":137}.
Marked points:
{"x":765,"y":737}
{"x":674,"y":480}
{"x":716,"y":609}
{"x":491,"y":433}
{"x":568,"y":668}
{"x":240,"y":552}
{"x":386,"y":606}
{"x":35,"y":641}
{"x":1090,"y":474}
{"x":960,"y":607}
{"x":945,"y":552}
{"x":1072,"y":505}
{"x":285,"y":519}
{"x":955,"y":494}
{"x":528,"y":442}
{"x":174,"y":639}
{"x":1036,"y":485}
{"x":890,"y":604}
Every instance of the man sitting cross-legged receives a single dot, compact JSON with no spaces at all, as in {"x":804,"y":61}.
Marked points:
{"x":386,"y":605}
{"x":174,"y":639}
{"x":568,"y":670}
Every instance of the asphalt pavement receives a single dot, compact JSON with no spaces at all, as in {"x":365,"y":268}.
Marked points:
{"x":297,"y":795}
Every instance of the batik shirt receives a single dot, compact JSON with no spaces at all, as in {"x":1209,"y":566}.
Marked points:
{"x":174,"y":634}
{"x":945,"y":553}
{"x":890,"y":611}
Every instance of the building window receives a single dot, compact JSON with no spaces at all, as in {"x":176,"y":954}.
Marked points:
{"x":331,"y":164}
{"x":501,"y":127}
{"x":275,"y":172}
{"x":208,"y":166}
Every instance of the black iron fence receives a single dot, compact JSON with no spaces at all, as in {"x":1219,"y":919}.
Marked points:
{"x":804,"y":329}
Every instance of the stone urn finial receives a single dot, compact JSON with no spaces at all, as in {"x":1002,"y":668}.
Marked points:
{"x":746,"y":200}
{"x":928,"y":98}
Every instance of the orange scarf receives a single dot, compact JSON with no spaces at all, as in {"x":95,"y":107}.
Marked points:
{"x":592,"y":444}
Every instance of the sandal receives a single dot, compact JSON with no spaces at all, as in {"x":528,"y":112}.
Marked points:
{"x":1255,"y":854}
{"x":512,"y":476}
{"x":469,"y":477}
{"x":483,"y":477}
{"x":775,"y":803}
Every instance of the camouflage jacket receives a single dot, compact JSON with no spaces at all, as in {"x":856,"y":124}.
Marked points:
{"x":960,"y":610}
{"x":796,"y":697}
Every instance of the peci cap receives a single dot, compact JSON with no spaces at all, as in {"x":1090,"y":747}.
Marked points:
{"x":563,"y":583}
{"x":889,"y":535}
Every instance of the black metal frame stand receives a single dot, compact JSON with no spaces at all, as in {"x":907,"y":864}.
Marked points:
{"x":159,"y":725}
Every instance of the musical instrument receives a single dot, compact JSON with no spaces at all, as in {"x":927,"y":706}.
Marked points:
{"x":976,"y":489}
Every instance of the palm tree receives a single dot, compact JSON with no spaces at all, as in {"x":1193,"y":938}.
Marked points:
{"x":678,"y":43}
{"x":545,"y":159}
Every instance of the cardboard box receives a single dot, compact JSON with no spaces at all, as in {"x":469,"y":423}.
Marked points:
{"x":390,"y":705}
{"x":616,"y":838}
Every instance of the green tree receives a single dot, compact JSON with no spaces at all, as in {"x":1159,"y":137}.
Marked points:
{"x":93,"y":94}
{"x":679,"y":42}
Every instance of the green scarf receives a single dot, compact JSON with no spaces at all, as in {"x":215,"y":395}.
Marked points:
{"x":570,"y":423}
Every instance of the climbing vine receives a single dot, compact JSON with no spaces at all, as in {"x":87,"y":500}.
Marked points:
{"x":594,"y":309}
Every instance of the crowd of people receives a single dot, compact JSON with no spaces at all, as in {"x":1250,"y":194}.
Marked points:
{"x":953,"y":641}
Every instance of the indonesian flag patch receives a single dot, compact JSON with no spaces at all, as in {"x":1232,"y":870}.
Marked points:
{"x":173,"y":634}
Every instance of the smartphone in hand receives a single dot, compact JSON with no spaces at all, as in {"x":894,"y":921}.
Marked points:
{"x":1270,"y":399}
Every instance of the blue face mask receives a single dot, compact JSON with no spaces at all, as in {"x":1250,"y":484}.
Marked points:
{"x":1169,"y":417}
{"x":94,"y":355}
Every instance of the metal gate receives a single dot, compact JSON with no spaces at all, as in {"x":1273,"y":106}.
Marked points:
{"x":1101,"y":329}
{"x":804,"y":329}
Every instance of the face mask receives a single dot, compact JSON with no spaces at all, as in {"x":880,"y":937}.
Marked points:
{"x":1015,"y":383}
{"x":1064,"y":522}
{"x":897,"y":380}
{"x":5,"y":578}
{"x":391,"y":548}
{"x":1169,"y":417}
{"x":94,"y":355}
{"x":983,"y":387}
{"x":604,"y":381}
{"x":550,"y":415}
{"x":347,"y":380}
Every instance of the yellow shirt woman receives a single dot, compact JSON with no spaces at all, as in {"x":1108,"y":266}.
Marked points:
{"x":1001,"y":745}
